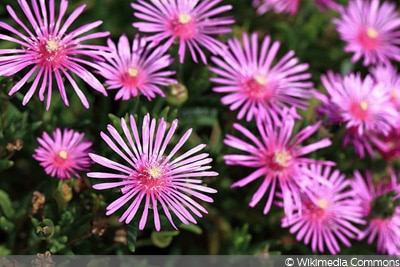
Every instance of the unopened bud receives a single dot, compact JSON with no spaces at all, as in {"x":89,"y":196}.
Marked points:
{"x":63,"y":193}
{"x":177,"y":94}
{"x":45,"y":229}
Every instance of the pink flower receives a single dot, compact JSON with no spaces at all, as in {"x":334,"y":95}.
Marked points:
{"x":254,"y":84}
{"x":50,"y":51}
{"x":359,"y":103}
{"x":191,"y":22}
{"x":381,"y":206}
{"x":64,"y":154}
{"x":327,"y":212}
{"x":277,"y":6}
{"x":153,"y":175}
{"x":136,"y":70}
{"x":370,"y":30}
{"x":278,"y":159}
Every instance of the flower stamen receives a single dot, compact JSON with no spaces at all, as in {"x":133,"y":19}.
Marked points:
{"x":184,"y":18}
{"x":63,"y":154}
{"x":282,"y":158}
{"x":260,"y":79}
{"x":372,"y":33}
{"x":133,"y":72}
{"x":322,"y":203}
{"x":155,"y":172}
{"x":52,"y":45}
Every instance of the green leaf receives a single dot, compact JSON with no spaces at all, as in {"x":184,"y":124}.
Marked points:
{"x":114,"y":119}
{"x":36,"y":125}
{"x":5,"y":164}
{"x":6,"y":225}
{"x":241,"y":240}
{"x":6,"y":205}
{"x":132,"y":230}
{"x":163,"y":239}
{"x":164,"y":112}
{"x":191,"y":228}
{"x":35,"y":222}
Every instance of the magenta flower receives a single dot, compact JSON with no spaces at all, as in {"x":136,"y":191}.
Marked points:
{"x":360,"y":101}
{"x":380,"y":205}
{"x":277,"y":6}
{"x":64,"y":154}
{"x":327,"y":213}
{"x":277,"y":158}
{"x":255,"y":84}
{"x":191,"y":22}
{"x":152,"y":175}
{"x":136,"y":70}
{"x":50,"y":51}
{"x":370,"y":30}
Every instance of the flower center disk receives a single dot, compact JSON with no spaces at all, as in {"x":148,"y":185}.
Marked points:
{"x":151,"y":176}
{"x":183,"y":26}
{"x":51,"y":52}
{"x":279,"y":160}
{"x":317,"y":211}
{"x":132,"y":78}
{"x":258,"y":88}
{"x":368,"y":38}
{"x":359,"y":110}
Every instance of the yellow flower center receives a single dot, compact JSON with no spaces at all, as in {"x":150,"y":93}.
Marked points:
{"x":133,"y":72}
{"x":364,"y":105}
{"x":322,"y":203}
{"x":155,"y":172}
{"x":52,"y":45}
{"x":63,"y":154}
{"x":184,"y":18}
{"x":260,"y":79}
{"x":372,"y":33}
{"x":282,"y":158}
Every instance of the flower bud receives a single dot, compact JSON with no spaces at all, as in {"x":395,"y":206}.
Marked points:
{"x":177,"y":94}
{"x":63,"y":194}
{"x":45,"y":229}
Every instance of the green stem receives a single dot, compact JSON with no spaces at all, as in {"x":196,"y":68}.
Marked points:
{"x":135,"y":105}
